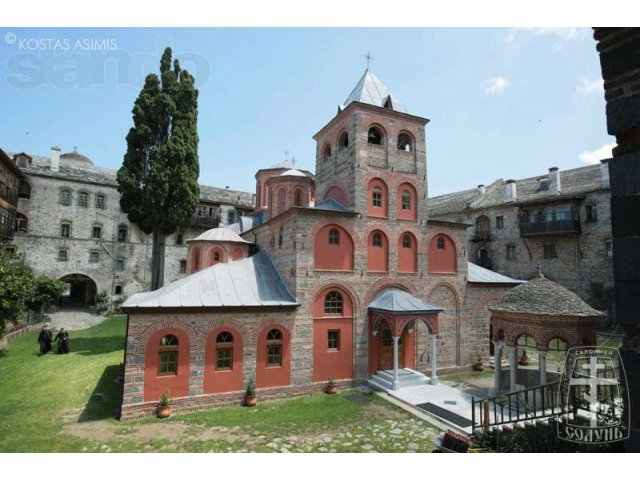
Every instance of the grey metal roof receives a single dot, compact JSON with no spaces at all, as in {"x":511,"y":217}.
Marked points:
{"x":478,"y":274}
{"x":293,"y":172}
{"x":400,"y":302}
{"x":372,"y":91}
{"x":247,"y":222}
{"x":220,"y":234}
{"x":251,"y":282}
{"x":541,"y":296}
{"x":573,"y":182}
{"x":331,"y":205}
{"x":77,"y":167}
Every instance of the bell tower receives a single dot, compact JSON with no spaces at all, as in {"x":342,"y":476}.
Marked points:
{"x":373,"y":142}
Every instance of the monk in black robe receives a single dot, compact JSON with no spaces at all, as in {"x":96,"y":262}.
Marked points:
{"x":63,"y":341}
{"x":44,"y":339}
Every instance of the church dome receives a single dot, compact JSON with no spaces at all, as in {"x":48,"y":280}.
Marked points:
{"x":293,"y":172}
{"x":75,"y":158}
{"x":541,"y":296}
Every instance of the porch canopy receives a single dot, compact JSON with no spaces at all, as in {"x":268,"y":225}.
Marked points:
{"x":401,"y":310}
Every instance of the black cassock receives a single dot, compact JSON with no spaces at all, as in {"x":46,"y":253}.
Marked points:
{"x":44,"y":339}
{"x":63,"y":342}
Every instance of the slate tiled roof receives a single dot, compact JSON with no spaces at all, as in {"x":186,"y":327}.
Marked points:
{"x":574,"y":182}
{"x":400,"y":302}
{"x":77,"y":167}
{"x":372,"y":91}
{"x":478,"y":274}
{"x":541,"y":296}
{"x":250,"y":282}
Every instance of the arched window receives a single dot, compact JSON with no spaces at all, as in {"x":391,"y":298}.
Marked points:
{"x":406,"y":202}
{"x":326,"y":153}
{"x":376,"y":239}
{"x":441,"y":256}
{"x":333,"y":303}
{"x":375,"y":136}
{"x":274,"y":348}
{"x":123,"y":233}
{"x":557,"y":345}
{"x":297,"y":198}
{"x":100,"y":202}
{"x":334,"y":237}
{"x":408,"y":254}
{"x":378,"y":204}
{"x":343,"y":141}
{"x":483,"y":224}
{"x":378,"y":253}
{"x":216,"y":256}
{"x":65,"y":197}
{"x":337,"y":194}
{"x":224,"y":351}
{"x":405,"y":143}
{"x":83,"y":199}
{"x":282,"y":200}
{"x":168,"y":353}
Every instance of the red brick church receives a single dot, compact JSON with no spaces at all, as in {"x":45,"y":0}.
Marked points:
{"x":339,"y":275}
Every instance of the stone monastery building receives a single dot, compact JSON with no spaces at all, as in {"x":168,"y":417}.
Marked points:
{"x":341,"y":274}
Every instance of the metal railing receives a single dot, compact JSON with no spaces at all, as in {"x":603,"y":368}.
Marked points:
{"x":532,"y":403}
{"x":205,"y":220}
{"x":552,"y":227}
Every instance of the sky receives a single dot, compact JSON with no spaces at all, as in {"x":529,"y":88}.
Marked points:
{"x":502,"y":103}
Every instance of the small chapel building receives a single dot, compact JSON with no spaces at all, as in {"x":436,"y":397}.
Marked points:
{"x":338,"y":274}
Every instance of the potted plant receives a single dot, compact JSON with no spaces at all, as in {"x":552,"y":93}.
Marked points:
{"x":332,"y":387}
{"x":164,"y":405}
{"x":250,"y":394}
{"x":478,"y":366}
{"x":524,"y":360}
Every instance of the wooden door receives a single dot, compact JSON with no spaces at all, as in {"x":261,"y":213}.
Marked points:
{"x":386,"y":350}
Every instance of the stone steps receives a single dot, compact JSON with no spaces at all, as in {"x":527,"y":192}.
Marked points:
{"x":383,"y":379}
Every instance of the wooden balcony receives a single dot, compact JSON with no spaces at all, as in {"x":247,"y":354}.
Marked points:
{"x":205,"y":221}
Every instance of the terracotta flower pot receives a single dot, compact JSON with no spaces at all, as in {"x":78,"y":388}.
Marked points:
{"x":332,"y":389}
{"x":478,"y":366}
{"x":163,"y":411}
{"x":524,"y":361}
{"x":250,"y":401}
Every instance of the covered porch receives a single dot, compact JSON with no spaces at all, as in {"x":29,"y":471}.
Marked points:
{"x":393,"y":316}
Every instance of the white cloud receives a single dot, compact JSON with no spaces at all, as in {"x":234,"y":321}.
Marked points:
{"x":587,"y":86}
{"x":594,"y":157}
{"x":562,"y":33}
{"x":496,"y":85}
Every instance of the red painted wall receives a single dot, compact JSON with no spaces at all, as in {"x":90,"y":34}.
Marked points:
{"x":216,"y":381}
{"x":155,"y":385}
{"x":378,"y":257}
{"x":337,"y":194}
{"x":327,"y":363}
{"x":238,"y":253}
{"x":406,"y":214}
{"x":196,"y":254}
{"x":383,"y":210}
{"x":273,"y":376}
{"x":407,"y":257}
{"x":441,"y":261}
{"x":333,"y":257}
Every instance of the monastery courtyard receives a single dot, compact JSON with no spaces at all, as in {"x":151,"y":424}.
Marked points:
{"x":79,"y":394}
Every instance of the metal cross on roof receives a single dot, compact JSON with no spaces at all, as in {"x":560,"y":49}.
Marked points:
{"x":369,"y":58}
{"x":286,"y":154}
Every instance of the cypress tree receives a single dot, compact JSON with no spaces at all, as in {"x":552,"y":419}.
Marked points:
{"x":158,"y":180}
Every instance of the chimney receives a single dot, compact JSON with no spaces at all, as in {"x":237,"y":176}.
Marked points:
{"x":554,"y":180}
{"x":510,"y":192}
{"x":604,"y":172}
{"x":481,"y":189}
{"x":55,"y":159}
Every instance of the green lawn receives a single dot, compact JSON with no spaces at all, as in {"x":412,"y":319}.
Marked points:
{"x":66,"y":403}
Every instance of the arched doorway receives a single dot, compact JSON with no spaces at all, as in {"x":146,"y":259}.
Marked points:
{"x":81,"y":292}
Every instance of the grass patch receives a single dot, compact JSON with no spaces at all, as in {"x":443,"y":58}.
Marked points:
{"x":37,"y":391}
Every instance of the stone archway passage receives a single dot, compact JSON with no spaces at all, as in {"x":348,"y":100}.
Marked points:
{"x":81,"y":292}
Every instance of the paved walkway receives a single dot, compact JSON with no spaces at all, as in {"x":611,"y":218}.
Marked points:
{"x":441,"y":395}
{"x":74,"y":320}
